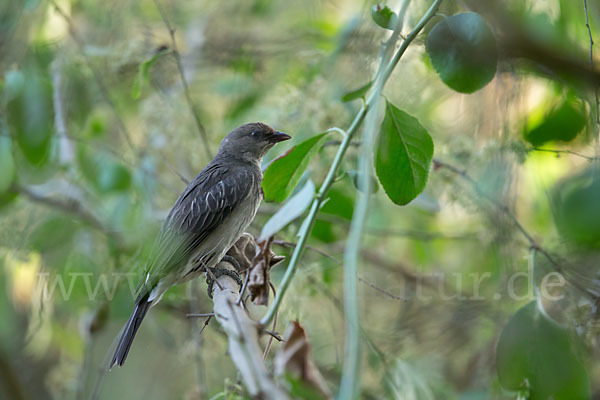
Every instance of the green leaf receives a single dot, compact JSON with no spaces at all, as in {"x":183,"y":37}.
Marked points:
{"x":7,"y":164}
{"x":30,"y":115}
{"x":562,"y":123}
{"x":576,"y":211}
{"x":404,"y":155}
{"x":52,"y":234}
{"x":113,"y":178}
{"x":291,"y":210}
{"x":357,"y":93}
{"x":143,"y":76}
{"x":462,"y":49}
{"x":7,"y":198}
{"x":283,"y":174}
{"x":384,"y":17}
{"x":535,"y":350}
{"x":339,"y":204}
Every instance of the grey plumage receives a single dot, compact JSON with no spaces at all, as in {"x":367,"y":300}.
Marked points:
{"x":206,"y":220}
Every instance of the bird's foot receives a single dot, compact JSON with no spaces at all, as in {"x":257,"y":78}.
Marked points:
{"x":213,"y":273}
{"x":232,"y":260}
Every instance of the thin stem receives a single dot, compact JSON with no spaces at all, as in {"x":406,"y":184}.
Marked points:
{"x":311,"y":217}
{"x":350,"y":384}
{"x":517,"y":224}
{"x":587,"y":24}
{"x":186,"y":89}
{"x":270,"y":342}
{"x":555,"y":151}
{"x":338,"y":130}
{"x":331,"y":174}
{"x":97,"y":77}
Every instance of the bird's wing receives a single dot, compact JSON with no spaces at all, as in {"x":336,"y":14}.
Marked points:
{"x":204,"y":204}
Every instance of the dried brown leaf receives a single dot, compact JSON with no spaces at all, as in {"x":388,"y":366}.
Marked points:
{"x":293,"y":358}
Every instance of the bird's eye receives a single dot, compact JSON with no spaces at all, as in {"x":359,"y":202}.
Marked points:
{"x":254,"y":133}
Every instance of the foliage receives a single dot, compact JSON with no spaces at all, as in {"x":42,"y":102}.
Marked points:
{"x":283,"y":173}
{"x":98,"y":133}
{"x":536,"y":354}
{"x":463,"y":51}
{"x":404,"y":155}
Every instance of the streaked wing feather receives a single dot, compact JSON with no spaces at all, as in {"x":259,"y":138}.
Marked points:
{"x":205,"y":203}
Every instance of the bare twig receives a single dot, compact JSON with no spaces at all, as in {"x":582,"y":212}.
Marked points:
{"x":70,"y":206}
{"x":244,"y":286}
{"x":506,"y":211}
{"x":205,"y":324}
{"x":375,"y":259}
{"x":587,"y":24}
{"x":200,"y":315}
{"x":186,"y":89}
{"x":97,"y":77}
{"x":380,"y":290}
{"x":558,"y":152}
{"x":270,"y":342}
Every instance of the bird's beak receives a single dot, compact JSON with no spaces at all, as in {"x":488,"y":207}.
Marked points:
{"x":277,"y":137}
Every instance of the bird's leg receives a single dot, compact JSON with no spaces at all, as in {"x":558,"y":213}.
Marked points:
{"x":214,"y":273}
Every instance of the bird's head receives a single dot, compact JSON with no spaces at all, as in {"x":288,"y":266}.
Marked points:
{"x":251,"y":142}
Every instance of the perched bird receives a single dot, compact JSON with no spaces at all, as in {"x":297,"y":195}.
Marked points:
{"x":206,"y":220}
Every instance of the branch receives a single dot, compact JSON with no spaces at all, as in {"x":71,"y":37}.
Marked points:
{"x":506,"y":211}
{"x":370,"y":284}
{"x":97,"y":77}
{"x":70,"y":206}
{"x":186,"y":89}
{"x":380,"y":290}
{"x":309,"y":221}
{"x":242,"y":333}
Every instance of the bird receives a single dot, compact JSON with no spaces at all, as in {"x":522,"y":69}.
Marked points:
{"x":205,"y":222}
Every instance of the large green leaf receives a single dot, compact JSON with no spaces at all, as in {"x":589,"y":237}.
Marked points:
{"x":535,"y":352}
{"x":30,"y":115}
{"x":284,"y":172}
{"x":562,"y":123}
{"x":102,"y":172}
{"x":575,"y":207}
{"x":404,"y":155}
{"x":463,"y":52}
{"x":7,"y":164}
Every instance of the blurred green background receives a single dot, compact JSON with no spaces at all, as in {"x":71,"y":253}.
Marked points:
{"x":97,"y":140}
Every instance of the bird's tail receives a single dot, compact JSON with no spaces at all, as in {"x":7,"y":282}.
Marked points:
{"x":131,"y":328}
